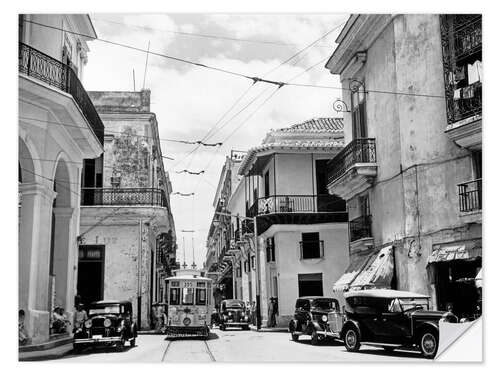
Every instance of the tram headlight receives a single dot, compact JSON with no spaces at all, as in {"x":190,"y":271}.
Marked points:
{"x":229,"y":313}
{"x":88,"y":323}
{"x":107,"y":323}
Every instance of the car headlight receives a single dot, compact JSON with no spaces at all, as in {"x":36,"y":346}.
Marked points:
{"x":88,"y":323}
{"x":107,"y":323}
{"x":324,"y":318}
{"x":246,"y":318}
{"x":229,"y":313}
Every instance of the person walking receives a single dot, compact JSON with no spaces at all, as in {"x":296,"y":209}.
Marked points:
{"x":271,"y":311}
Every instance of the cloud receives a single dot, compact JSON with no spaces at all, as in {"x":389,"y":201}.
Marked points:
{"x":189,"y":100}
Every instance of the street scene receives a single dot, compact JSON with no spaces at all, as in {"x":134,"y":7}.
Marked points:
{"x":248,"y":188}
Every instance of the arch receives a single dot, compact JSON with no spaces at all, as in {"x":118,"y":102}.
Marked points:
{"x":28,"y":171}
{"x":62,"y":183}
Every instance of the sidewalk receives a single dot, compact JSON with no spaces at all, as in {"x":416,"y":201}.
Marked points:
{"x":268,"y":329}
{"x":54,"y":348}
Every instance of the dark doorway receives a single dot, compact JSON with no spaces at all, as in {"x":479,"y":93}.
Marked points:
{"x":90,"y":285}
{"x":325,"y":201}
{"x":310,"y":284}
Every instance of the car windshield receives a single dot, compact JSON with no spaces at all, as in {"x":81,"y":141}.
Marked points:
{"x":235,"y":304}
{"x":414,"y":304}
{"x":325,"y":304}
{"x":112,"y":309}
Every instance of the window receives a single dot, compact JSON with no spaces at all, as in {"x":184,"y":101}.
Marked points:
{"x":270,"y":254}
{"x":266,"y":184}
{"x":364,"y":205}
{"x":116,"y":181}
{"x":187,"y":296}
{"x":358,"y":113}
{"x":253,"y":261}
{"x":310,"y":246}
{"x":174,"y":296}
{"x":246,"y":266}
{"x":201,"y":296}
{"x":477,"y":164}
{"x":238,"y":272}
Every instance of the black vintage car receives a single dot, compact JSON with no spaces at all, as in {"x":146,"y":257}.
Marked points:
{"x":233,"y":313}
{"x":318,"y":317}
{"x":392,"y":319}
{"x":109,"y":323}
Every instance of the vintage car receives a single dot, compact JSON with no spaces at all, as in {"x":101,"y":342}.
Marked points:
{"x":233,"y":313}
{"x":318,"y":317}
{"x":109,"y":323}
{"x":392,"y":319}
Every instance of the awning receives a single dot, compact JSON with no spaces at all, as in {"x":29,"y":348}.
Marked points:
{"x":355,"y":267}
{"x":458,"y":251}
{"x":378,"y":273}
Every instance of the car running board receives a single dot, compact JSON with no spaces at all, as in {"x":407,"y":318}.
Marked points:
{"x":380,"y":344}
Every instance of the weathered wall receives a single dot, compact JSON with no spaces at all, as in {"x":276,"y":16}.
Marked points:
{"x":415,"y":193}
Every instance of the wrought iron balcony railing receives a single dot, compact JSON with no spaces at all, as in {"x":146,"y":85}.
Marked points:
{"x":361,"y":227}
{"x":296,"y":204}
{"x":470,"y":195}
{"x":38,"y":65}
{"x":123,"y":197}
{"x":312,"y":249}
{"x":361,"y":150}
{"x":461,"y":40}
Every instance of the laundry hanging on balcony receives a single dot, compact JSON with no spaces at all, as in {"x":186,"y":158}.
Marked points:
{"x":358,"y":262}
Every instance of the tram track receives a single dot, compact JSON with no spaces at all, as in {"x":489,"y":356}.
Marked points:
{"x":177,"y":349}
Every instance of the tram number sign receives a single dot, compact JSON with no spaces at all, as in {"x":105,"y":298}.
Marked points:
{"x":188,"y":284}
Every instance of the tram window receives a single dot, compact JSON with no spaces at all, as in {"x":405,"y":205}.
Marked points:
{"x":187,"y":296}
{"x":174,"y":296}
{"x":201,"y":296}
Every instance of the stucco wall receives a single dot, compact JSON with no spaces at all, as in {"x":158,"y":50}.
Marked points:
{"x":289,"y":265}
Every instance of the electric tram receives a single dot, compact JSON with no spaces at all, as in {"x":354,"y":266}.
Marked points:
{"x":190,"y":304}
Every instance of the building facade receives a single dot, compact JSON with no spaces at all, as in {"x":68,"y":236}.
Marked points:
{"x":127,"y":233}
{"x":58,"y":128}
{"x":411,"y":168}
{"x":301,"y":229}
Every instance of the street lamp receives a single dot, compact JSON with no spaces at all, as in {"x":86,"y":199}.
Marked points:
{"x":257,"y":261}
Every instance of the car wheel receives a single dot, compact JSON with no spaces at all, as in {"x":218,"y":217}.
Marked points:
{"x":295,"y":337}
{"x":429,"y":342}
{"x":351,"y":340}
{"x":314,"y":338}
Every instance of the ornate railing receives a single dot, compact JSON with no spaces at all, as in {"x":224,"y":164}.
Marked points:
{"x":38,"y":65}
{"x":296,"y":204}
{"x":361,"y":227}
{"x":470,"y":195}
{"x":361,"y":150}
{"x":461,"y":41}
{"x":123,"y":197}
{"x":313,"y":249}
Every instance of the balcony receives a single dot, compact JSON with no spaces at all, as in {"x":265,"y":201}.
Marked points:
{"x":52,"y":72}
{"x":461,"y":39}
{"x":123,"y":197}
{"x":470,"y":199}
{"x":312,"y":249}
{"x":360,"y":233}
{"x":353,"y":169}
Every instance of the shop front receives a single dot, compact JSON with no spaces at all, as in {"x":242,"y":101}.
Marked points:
{"x":456,"y":269}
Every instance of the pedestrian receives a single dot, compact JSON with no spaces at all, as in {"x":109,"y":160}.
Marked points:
{"x":253,"y":314}
{"x":271,"y":310}
{"x":80,"y":317}
{"x":24,"y":339}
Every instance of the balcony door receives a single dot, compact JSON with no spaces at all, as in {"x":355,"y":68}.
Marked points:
{"x":358,"y":113}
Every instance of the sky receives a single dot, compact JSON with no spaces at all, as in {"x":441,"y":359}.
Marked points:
{"x":189,"y":100}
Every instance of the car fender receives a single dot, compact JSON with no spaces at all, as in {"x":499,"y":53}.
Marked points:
{"x":313,"y":325}
{"x":348,"y":324}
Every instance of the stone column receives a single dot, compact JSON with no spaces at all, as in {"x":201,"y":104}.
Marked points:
{"x":34,"y":257}
{"x":64,"y":254}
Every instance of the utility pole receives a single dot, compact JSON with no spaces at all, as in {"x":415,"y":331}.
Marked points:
{"x":139,"y":278}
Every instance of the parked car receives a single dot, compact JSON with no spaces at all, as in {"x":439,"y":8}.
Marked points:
{"x":392,"y":319}
{"x":233,"y":313}
{"x":318,"y":317}
{"x":110,"y":323}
